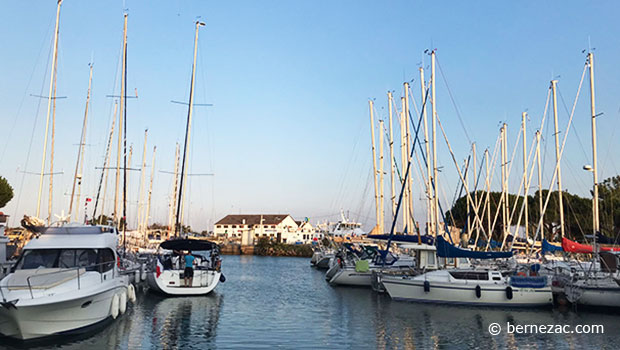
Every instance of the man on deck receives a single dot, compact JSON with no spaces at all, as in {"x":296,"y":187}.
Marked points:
{"x":188,"y":275}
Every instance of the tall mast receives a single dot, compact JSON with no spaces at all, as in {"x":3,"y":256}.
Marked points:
{"x":104,"y":175}
{"x":381,"y":195}
{"x":374,"y":162}
{"x":435,"y":170}
{"x":525,"y":180}
{"x":393,"y":197}
{"x":595,"y":217}
{"x":488,"y":199}
{"x":187,"y":131}
{"x":79,"y":164}
{"x":175,"y":186}
{"x":409,"y":147}
{"x":429,"y":194}
{"x":540,"y":194}
{"x":504,"y":189}
{"x":120,"y":125}
{"x":557,"y":155}
{"x":405,"y":154}
{"x":142,"y":175}
{"x":148,"y":205}
{"x":475,"y":169}
{"x":51,"y":192}
{"x":49,"y":106}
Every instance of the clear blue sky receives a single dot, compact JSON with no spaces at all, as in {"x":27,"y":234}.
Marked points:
{"x":290,"y":80}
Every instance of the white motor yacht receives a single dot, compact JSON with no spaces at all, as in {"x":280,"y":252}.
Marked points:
{"x":169,"y":273}
{"x":66,"y":280}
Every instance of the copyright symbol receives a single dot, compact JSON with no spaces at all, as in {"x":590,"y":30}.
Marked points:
{"x":495,"y":328}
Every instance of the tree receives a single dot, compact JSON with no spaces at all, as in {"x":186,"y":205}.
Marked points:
{"x":6,"y":192}
{"x":609,"y":206}
{"x":577,"y":214}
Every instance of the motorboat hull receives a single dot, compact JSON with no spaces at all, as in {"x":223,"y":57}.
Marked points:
{"x":170,"y":282}
{"x":42,"y":318}
{"x":350,"y":277}
{"x":450,"y":293}
{"x":323,"y":263}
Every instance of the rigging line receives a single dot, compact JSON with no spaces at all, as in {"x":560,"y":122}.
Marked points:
{"x":574,"y":129}
{"x":460,"y":188}
{"x":21,"y":103}
{"x":34,"y":126}
{"x":402,"y":188}
{"x":526,"y":196}
{"x":456,"y":108}
{"x":469,"y":199}
{"x":417,"y":141}
{"x":607,"y":155}
{"x":557,"y":165}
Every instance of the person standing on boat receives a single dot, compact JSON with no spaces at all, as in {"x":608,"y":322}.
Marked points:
{"x":188,"y":275}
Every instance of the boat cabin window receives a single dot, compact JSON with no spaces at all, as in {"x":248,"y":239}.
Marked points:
{"x":65,"y":259}
{"x":38,"y":258}
{"x":470,"y":275}
{"x":106,"y":259}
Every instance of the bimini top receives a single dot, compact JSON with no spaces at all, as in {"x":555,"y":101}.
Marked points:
{"x":426,"y":239}
{"x":75,"y":237}
{"x":447,"y":250}
{"x":188,"y":244}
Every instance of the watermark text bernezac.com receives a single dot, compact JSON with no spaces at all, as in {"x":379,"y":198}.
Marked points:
{"x":496,"y":328}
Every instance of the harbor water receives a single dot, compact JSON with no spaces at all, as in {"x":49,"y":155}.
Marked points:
{"x":276,"y":302}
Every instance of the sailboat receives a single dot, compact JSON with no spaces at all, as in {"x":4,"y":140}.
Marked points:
{"x":169,"y":277}
{"x":598,"y":284}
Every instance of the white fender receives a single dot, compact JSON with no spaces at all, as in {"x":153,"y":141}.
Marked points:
{"x":136,"y":276}
{"x":131,"y":292}
{"x":114,"y":306}
{"x":122,"y":305}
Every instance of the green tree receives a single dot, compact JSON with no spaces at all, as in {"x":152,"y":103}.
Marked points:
{"x":6,"y":192}
{"x":609,"y":206}
{"x":577,"y":214}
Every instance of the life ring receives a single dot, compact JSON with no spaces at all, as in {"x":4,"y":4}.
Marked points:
{"x":122,"y":302}
{"x":131,"y":292}
{"x":114,"y":307}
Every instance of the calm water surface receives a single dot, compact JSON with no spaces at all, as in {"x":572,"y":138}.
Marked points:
{"x":284,"y":303}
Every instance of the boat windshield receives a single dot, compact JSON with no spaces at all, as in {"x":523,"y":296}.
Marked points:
{"x":66,"y":258}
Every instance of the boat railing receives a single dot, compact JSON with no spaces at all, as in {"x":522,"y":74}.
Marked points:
{"x":78,"y":272}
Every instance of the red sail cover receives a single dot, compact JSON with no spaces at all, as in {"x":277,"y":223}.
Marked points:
{"x":574,"y":247}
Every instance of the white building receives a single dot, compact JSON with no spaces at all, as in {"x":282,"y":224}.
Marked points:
{"x":279,"y":227}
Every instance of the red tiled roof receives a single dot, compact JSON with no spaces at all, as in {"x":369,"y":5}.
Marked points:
{"x":252,"y":219}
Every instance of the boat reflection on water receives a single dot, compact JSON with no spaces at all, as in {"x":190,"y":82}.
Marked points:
{"x":181,"y":322}
{"x":415,"y":325}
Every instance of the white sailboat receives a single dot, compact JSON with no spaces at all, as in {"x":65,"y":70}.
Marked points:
{"x":472,"y":287}
{"x":170,"y":270}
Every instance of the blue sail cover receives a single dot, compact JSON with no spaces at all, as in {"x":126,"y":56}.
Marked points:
{"x":447,"y":250}
{"x":600,"y":238}
{"x":426,"y":239}
{"x":550,"y":248}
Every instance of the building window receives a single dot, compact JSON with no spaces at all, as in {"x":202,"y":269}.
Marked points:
{"x":225,"y":226}
{"x":273,"y":226}
{"x":219,"y":226}
{"x":234,"y":226}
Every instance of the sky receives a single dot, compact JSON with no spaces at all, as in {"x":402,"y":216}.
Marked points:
{"x":289,"y":81}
